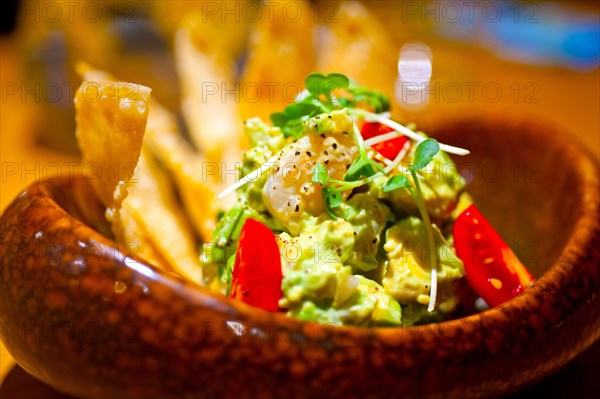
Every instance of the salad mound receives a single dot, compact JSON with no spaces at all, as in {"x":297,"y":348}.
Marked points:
{"x":343,"y":215}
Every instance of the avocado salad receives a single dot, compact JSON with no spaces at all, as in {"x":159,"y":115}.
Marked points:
{"x":343,"y":215}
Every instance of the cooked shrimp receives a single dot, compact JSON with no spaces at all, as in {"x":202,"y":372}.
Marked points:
{"x":289,"y":191}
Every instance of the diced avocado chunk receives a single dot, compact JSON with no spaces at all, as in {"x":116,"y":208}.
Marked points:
{"x":387,"y":310}
{"x":336,"y":122}
{"x":262,"y":135}
{"x":441,"y":185}
{"x":408,"y":275}
{"x":368,"y":217}
{"x":312,"y":263}
{"x":317,"y":285}
{"x":368,"y":306}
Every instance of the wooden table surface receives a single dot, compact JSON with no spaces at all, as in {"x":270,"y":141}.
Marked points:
{"x":566,"y":97}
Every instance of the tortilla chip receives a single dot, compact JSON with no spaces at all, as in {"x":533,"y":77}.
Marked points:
{"x":358,"y":45}
{"x":111,"y":120}
{"x":183,"y":162}
{"x":280,"y":56}
{"x":169,"y":14}
{"x":186,"y":166}
{"x":209,"y":95}
{"x":140,"y":201}
{"x":152,"y":220}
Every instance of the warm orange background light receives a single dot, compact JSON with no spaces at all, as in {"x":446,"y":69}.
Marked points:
{"x":566,"y":97}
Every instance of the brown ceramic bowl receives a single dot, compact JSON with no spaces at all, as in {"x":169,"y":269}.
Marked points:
{"x":90,"y":321}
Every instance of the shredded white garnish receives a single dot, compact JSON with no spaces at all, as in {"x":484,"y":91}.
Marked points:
{"x":389,"y":167}
{"x":401,"y":130}
{"x":255,"y":174}
{"x":432,"y":290}
{"x":380,"y":139}
{"x":394,"y":164}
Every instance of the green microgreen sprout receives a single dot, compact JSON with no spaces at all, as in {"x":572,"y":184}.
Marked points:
{"x":319,"y":85}
{"x":362,"y":165}
{"x":424,"y":153}
{"x":332,"y":198}
{"x":290,"y":120}
{"x":321,"y":96}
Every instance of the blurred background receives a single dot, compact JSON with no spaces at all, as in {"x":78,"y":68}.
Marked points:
{"x":435,"y":59}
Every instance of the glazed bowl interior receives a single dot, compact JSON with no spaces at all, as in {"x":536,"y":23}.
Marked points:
{"x":526,"y":179}
{"x":157,"y":336}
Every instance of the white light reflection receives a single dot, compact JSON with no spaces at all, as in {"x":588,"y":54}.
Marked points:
{"x":414,"y":74}
{"x":236,"y":327}
{"x":140,"y":268}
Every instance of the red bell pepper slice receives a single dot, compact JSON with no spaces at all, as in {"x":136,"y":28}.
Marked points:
{"x":389,"y":148}
{"x":492,"y":268}
{"x":256,"y":276}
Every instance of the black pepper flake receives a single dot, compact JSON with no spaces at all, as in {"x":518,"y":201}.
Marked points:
{"x":327,"y":162}
{"x":334,"y":145}
{"x":326,"y":152}
{"x":374,"y":240}
{"x":355,"y":233}
{"x":323,"y":135}
{"x":274,"y":187}
{"x":297,"y":208}
{"x":329,"y":116}
{"x":289,"y":203}
{"x":318,"y":117}
{"x":277,"y":169}
{"x":305,"y":188}
{"x":347,"y":167}
{"x":316,"y":126}
{"x":309,"y":153}
{"x":297,"y":153}
{"x":344,"y":132}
